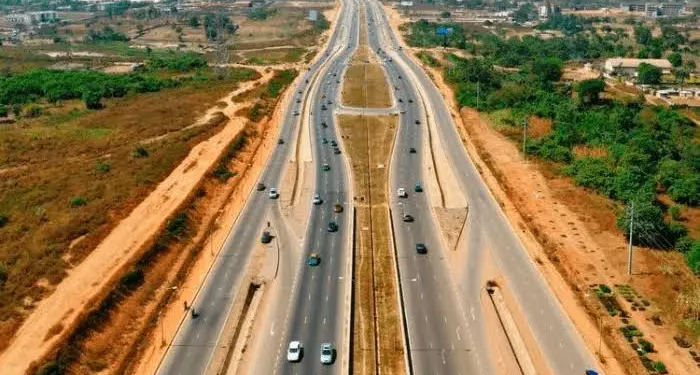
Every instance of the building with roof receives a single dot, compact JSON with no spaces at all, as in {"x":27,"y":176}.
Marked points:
{"x":628,"y":67}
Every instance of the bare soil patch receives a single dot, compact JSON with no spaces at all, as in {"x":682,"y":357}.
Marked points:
{"x":376,"y":329}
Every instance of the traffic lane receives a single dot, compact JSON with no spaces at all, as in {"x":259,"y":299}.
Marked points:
{"x":200,"y":335}
{"x":433,"y":326}
{"x":548,"y":321}
{"x":211,"y":329}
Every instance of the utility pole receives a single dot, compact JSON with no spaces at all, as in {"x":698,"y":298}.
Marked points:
{"x":524,"y":137}
{"x":629,"y":252}
{"x":477,"y":95}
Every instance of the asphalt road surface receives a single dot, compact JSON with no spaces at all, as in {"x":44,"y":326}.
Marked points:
{"x":488,"y":229}
{"x":191,"y":351}
{"x":438,"y":336}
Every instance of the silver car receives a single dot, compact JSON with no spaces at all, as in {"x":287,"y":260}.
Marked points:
{"x":327,"y":352}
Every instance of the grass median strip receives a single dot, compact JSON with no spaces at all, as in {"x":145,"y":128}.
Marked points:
{"x":365,"y":84}
{"x":378,"y":347}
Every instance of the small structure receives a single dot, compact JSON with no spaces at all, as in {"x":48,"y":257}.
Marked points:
{"x":628,"y":67}
{"x":32,"y":17}
{"x":313,"y":15}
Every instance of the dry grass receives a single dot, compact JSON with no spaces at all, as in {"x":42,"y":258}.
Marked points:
{"x":273,"y":56}
{"x":582,"y":151}
{"x":377,"y":326}
{"x":73,"y":153}
{"x":366,"y":86}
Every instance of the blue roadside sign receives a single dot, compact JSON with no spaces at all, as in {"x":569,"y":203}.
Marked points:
{"x":443,"y":31}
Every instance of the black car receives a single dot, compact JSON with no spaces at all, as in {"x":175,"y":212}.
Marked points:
{"x":400,"y":100}
{"x":332,"y":226}
{"x":407,"y":218}
{"x":421,"y":249}
{"x":260,"y":186}
{"x":410,"y":100}
{"x":334,"y":143}
{"x":336,"y":150}
{"x":323,"y":107}
{"x":324,"y":124}
{"x":412,"y":150}
{"x":280,"y":141}
{"x":417,"y":122}
{"x":266,"y":237}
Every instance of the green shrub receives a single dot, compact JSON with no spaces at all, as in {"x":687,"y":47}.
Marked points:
{"x":102,"y":167}
{"x":4,"y":110}
{"x":647,"y":346}
{"x":684,"y":244}
{"x":675,"y":212}
{"x":593,"y":173}
{"x":605,"y":289}
{"x":140,"y":152}
{"x":222,"y":173}
{"x":693,"y":257}
{"x":78,"y":201}
{"x":660,"y":367}
{"x":650,"y":229}
{"x":176,"y":226}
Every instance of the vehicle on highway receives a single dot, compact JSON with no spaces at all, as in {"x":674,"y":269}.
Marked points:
{"x":324,"y":141}
{"x":296,"y":113}
{"x":399,"y":77}
{"x":421,"y":248}
{"x":327,"y":353}
{"x":280,"y":141}
{"x":334,"y":143}
{"x":323,"y":107}
{"x":337,"y":208}
{"x":332,"y":226}
{"x":412,"y":150}
{"x":273,"y":193}
{"x":294,"y":351}
{"x":417,"y":122}
{"x":401,"y":193}
{"x":336,"y":150}
{"x":407,"y":218}
{"x":324,"y":124}
{"x":418,"y":188}
{"x":410,"y":100}
{"x":266,"y":237}
{"x":317,"y":199}
{"x":330,"y":102}
{"x":326,"y":167}
{"x":591,"y":372}
{"x":313,"y":260}
{"x":260,"y":186}
{"x":298,"y":100}
{"x":400,"y":100}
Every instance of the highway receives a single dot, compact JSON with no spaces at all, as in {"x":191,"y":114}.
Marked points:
{"x":197,"y":338}
{"x":438,"y":336}
{"x":316,"y":313}
{"x":488,"y":229}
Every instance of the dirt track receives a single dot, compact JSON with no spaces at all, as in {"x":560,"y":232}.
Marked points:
{"x":87,"y":280}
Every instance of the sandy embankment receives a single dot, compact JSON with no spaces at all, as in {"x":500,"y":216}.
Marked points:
{"x":88,"y":280}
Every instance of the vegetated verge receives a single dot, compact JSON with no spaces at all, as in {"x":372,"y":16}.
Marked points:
{"x":129,"y":314}
{"x":70,"y":174}
{"x":624,"y":151}
{"x":376,"y":330}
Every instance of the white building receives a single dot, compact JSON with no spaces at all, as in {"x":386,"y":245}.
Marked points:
{"x":628,"y":67}
{"x":32,"y":17}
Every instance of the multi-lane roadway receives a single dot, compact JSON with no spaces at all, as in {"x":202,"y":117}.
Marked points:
{"x":487,"y":229}
{"x":442,"y":339}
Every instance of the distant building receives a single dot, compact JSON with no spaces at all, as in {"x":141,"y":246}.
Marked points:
{"x":32,"y":17}
{"x":655,"y":9}
{"x":628,"y":67}
{"x":406,"y":3}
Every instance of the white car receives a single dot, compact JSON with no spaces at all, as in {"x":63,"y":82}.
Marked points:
{"x":401,"y":192}
{"x":294,"y":351}
{"x":273,"y":193}
{"x":317,"y":199}
{"x":326,"y":353}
